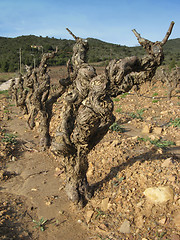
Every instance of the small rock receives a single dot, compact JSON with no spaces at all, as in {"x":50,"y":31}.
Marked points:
{"x":164,"y":112}
{"x":148,"y":118}
{"x":175,"y":236}
{"x":159,"y":194}
{"x":178,"y":202}
{"x":125,"y":227}
{"x":89,"y":215}
{"x":152,"y":137}
{"x":176,"y":220}
{"x":104,"y":204}
{"x":58,"y":172}
{"x":115,"y":143}
{"x":134,"y":138}
{"x":162,"y":221}
{"x":103,"y":227}
{"x":61,"y":212}
{"x":157,"y":130}
{"x":139,"y":204}
{"x":172,"y":178}
{"x":159,"y":151}
{"x":37,"y":124}
{"x":90,"y":171}
{"x":167,"y":162}
{"x":147,"y":129}
{"x":34,"y":189}
{"x":139,"y":221}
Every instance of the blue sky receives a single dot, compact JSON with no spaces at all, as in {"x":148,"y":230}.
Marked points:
{"x":110,"y":21}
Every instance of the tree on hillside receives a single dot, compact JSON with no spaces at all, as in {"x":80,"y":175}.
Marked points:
{"x":87,"y":113}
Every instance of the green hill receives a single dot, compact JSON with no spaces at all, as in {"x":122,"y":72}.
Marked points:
{"x":32,"y":47}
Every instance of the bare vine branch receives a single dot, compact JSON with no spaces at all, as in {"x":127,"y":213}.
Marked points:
{"x":168,"y":33}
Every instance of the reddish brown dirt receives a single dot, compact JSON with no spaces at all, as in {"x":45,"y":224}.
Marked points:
{"x":121,"y":167}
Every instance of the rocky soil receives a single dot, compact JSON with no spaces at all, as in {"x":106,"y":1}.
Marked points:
{"x":134,"y":170}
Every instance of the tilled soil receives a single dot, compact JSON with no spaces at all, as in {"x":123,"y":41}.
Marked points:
{"x":140,"y":152}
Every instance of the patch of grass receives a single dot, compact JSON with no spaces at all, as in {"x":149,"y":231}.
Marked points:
{"x":99,"y":213}
{"x":155,"y":100}
{"x":116,"y":99}
{"x":4,"y":92}
{"x":138,"y":114}
{"x":116,"y":127}
{"x":118,"y":181}
{"x":103,"y":238}
{"x":161,"y":235}
{"x":158,"y":142}
{"x":175,"y":122}
{"x":6,"y":111}
{"x":123,"y":95}
{"x":9,"y":138}
{"x":161,"y":143}
{"x":155,"y":94}
{"x":40,"y":224}
{"x":118,"y":110}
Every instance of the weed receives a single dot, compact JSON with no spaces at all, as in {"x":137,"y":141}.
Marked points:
{"x":4,"y":92}
{"x":158,"y":143}
{"x":6,"y":111}
{"x":124,"y":95}
{"x":138,"y":114}
{"x":116,"y":99}
{"x":161,"y":235}
{"x":99,"y":213}
{"x":118,"y":180}
{"x":119,"y":110}
{"x":155,"y":100}
{"x":175,"y":122}
{"x":103,"y":238}
{"x":161,"y":143}
{"x":9,"y":138}
{"x":116,"y":127}
{"x":155,"y":94}
{"x":40,"y":224}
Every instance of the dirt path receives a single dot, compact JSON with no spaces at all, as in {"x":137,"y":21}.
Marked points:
{"x":36,"y":181}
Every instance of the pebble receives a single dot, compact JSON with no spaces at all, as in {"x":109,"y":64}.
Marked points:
{"x":147,"y":129}
{"x":89,"y":215}
{"x":162,"y":221}
{"x":167,"y":162}
{"x":104,"y":204}
{"x":139,"y":221}
{"x":157,"y":130}
{"x":176,"y":219}
{"x":125,"y":227}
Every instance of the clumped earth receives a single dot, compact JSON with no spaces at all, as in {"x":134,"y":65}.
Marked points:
{"x":140,"y":151}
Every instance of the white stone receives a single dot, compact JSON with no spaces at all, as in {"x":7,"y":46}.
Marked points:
{"x":125,"y":227}
{"x":159,"y":194}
